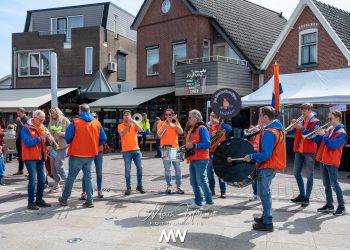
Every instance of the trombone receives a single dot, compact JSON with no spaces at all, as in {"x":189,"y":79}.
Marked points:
{"x":172,"y":121}
{"x":137,"y":117}
{"x":293,"y":123}
{"x":319,"y":128}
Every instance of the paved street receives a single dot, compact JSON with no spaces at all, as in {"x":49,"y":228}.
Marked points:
{"x":119,"y":222}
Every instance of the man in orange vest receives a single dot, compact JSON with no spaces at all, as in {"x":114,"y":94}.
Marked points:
{"x":84,"y":134}
{"x":214,"y":125}
{"x":198,"y":141}
{"x":128,"y":130}
{"x":169,"y":137}
{"x":34,"y":149}
{"x":271,"y":157}
{"x":305,"y":150}
{"x":329,"y":154}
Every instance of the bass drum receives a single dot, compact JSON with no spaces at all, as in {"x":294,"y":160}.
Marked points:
{"x":237,"y":173}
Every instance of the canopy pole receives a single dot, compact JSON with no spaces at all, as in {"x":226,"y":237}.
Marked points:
{"x":284,"y":125}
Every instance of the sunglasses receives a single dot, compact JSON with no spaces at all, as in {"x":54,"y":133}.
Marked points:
{"x":166,"y":114}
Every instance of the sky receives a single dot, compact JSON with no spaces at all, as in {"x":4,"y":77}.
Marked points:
{"x":13,"y":15}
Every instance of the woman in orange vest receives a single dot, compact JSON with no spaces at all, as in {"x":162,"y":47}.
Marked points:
{"x":198,"y":141}
{"x":305,"y":150}
{"x":271,"y":157}
{"x":33,"y":136}
{"x":329,"y":154}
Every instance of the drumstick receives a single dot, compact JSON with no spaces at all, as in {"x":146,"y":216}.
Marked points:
{"x":229,"y":159}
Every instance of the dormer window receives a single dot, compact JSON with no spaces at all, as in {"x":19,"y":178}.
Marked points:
{"x":308,"y":47}
{"x":64,"y":25}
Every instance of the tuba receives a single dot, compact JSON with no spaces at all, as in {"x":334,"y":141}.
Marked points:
{"x":137,"y":117}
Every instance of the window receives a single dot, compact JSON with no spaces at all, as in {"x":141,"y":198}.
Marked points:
{"x":88,"y":60}
{"x":232,"y":53}
{"x":308,"y":47}
{"x":152,"y":61}
{"x":206,"y":50}
{"x":179,"y":52}
{"x":36,"y":63}
{"x":115,"y":26}
{"x":121,"y":57}
{"x":220,"y":50}
{"x":64,"y":25}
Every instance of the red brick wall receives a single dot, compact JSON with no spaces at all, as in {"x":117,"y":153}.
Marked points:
{"x":328,"y":54}
{"x":162,"y":30}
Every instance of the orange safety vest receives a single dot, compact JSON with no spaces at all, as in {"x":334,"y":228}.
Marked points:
{"x":199,"y":154}
{"x":86,"y":138}
{"x":277,"y":160}
{"x":329,"y":156}
{"x":255,"y":141}
{"x":305,"y":146}
{"x":33,"y":153}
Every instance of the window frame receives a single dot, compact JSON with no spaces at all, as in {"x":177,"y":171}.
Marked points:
{"x":92,"y":60}
{"x":301,"y":34}
{"x":29,"y":54}
{"x":68,"y":39}
{"x":115,"y":25}
{"x":124,"y":55}
{"x":148,"y":49}
{"x":173,"y":63}
{"x":206,"y":47}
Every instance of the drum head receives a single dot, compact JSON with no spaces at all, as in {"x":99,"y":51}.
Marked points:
{"x":237,"y":173}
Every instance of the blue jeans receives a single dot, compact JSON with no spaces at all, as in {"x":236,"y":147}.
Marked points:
{"x":211,"y":178}
{"x":178,"y":176}
{"x":135,"y":156}
{"x":237,"y":132}
{"x":2,"y":166}
{"x":264,"y":179}
{"x":159,"y":152}
{"x":330,"y":179}
{"x":36,"y":176}
{"x":75,"y":165}
{"x":57,"y":166}
{"x":255,"y":187}
{"x":98,"y":160}
{"x":198,"y":181}
{"x":309,"y":160}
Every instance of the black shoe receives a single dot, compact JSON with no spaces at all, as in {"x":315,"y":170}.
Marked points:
{"x":62,"y":202}
{"x":326,"y":209}
{"x":140,"y":189}
{"x":299,"y":199}
{"x":157,"y":156}
{"x":88,"y":204}
{"x":340,"y":211}
{"x":348,"y":176}
{"x":42,"y":203}
{"x":128,"y":191}
{"x":263,"y":227}
{"x":305,"y":202}
{"x":223,"y":196}
{"x":258,"y":220}
{"x":212,"y":193}
{"x":32,"y":206}
{"x":2,"y":183}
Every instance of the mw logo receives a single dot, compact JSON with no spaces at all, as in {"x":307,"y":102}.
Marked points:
{"x":167,"y":235}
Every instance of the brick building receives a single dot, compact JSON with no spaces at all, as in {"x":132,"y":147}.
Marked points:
{"x":198,"y":46}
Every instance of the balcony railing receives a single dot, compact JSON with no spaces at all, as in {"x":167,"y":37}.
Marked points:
{"x":212,"y":59}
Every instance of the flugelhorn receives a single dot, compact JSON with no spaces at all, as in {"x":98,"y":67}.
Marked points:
{"x":137,"y":117}
{"x":171,"y":121}
{"x":319,"y":128}
{"x":293,"y":123}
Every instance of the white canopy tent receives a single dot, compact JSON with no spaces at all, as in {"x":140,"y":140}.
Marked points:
{"x":318,"y":87}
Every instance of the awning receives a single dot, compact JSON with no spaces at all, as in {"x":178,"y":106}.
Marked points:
{"x":318,"y":87}
{"x":30,"y":99}
{"x":132,"y":98}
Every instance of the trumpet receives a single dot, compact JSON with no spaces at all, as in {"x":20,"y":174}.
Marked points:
{"x":293,"y":123}
{"x":173,"y":121}
{"x":137,"y":117}
{"x":252,"y":130}
{"x":319,"y":128}
{"x":51,"y":139}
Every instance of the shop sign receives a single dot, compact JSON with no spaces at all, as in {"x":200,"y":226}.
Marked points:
{"x":196,"y":81}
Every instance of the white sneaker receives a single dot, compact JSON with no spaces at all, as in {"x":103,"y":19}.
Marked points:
{"x":253,"y":197}
{"x":208,"y":207}
{"x":194,"y":206}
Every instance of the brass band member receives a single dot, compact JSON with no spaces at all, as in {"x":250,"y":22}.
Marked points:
{"x":198,"y":140}
{"x":168,"y":132}
{"x":329,"y":154}
{"x":128,"y":130}
{"x":270,"y":158}
{"x":305,"y":150}
{"x":214,"y":125}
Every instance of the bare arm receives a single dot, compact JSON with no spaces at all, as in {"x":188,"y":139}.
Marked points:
{"x":124,"y":130}
{"x":179,"y":129}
